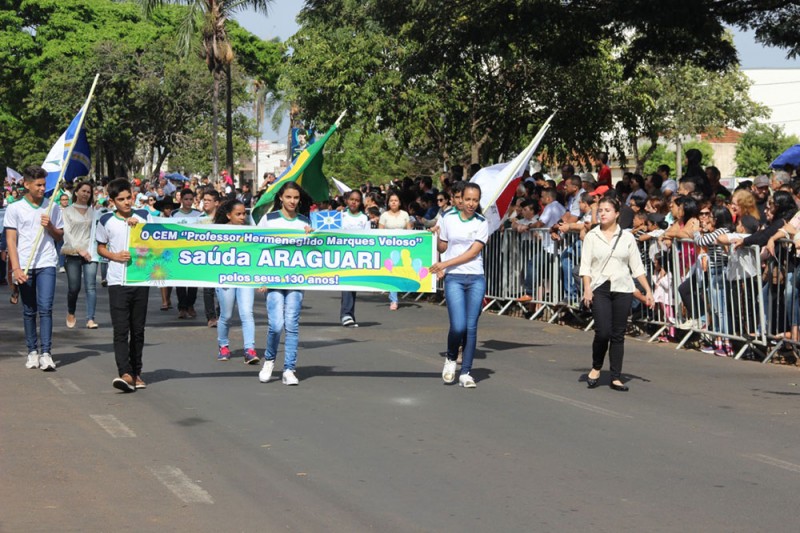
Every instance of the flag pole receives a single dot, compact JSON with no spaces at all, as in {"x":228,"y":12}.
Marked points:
{"x":64,"y":165}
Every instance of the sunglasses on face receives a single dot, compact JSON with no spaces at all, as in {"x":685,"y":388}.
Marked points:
{"x":705,"y":213}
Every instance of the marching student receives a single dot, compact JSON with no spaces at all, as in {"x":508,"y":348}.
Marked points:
{"x":78,"y":220}
{"x":283,"y":305}
{"x":353,"y":219}
{"x":37,"y":287}
{"x":128,"y":305}
{"x":233,"y":212}
{"x":462,"y":235}
{"x":187,"y":296}
{"x":394,"y":218}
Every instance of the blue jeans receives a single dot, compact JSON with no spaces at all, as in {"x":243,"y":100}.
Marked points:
{"x":348,"y":306}
{"x":393,"y":297}
{"x":37,"y":299}
{"x":77,"y":267}
{"x":569,"y":260}
{"x":243,"y":297}
{"x":283,"y":309}
{"x":464,"y":294}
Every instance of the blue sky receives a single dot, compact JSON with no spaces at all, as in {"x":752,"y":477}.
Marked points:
{"x":281,"y":23}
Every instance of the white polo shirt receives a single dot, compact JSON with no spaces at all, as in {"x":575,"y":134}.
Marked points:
{"x":113,"y":232}
{"x":26,"y":218}
{"x":276,"y":220}
{"x":357,"y":222}
{"x":459,"y":235}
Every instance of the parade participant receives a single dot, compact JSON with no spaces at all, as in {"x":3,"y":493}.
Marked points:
{"x":283,"y":305}
{"x":166,"y":207}
{"x":462,"y":236}
{"x":609,"y":258}
{"x":233,"y":212}
{"x":128,"y":305}
{"x":394,"y":218}
{"x":37,"y":286}
{"x":210,"y":205}
{"x":353,"y":219}
{"x":78,"y":220}
{"x":187,"y":296}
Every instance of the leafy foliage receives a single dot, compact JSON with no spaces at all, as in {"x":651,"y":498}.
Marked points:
{"x":759,"y":146}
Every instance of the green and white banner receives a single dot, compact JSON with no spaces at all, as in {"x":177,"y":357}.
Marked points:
{"x":245,"y":256}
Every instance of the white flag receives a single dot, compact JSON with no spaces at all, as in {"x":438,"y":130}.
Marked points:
{"x":13,"y":176}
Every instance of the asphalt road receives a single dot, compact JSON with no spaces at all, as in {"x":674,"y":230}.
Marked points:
{"x":372,"y":440}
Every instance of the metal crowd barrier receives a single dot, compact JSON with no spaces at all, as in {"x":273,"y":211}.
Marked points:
{"x":717,"y":293}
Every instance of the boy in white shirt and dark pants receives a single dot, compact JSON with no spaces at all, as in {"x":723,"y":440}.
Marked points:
{"x":128,"y":304}
{"x":37,"y":285}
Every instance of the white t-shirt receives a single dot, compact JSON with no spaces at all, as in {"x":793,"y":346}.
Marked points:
{"x":113,"y":232}
{"x":460,"y":235}
{"x":551,"y":214}
{"x":191,"y":216}
{"x":356,"y":222}
{"x":276,"y":220}
{"x":26,"y":218}
{"x":392,"y":221}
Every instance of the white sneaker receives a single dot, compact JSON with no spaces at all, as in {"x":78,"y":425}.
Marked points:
{"x":46,"y":362}
{"x":33,"y":360}
{"x":449,"y":371}
{"x":466,"y":381}
{"x":266,"y":371}
{"x":289,"y":378}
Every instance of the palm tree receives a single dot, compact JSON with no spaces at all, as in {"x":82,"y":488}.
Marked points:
{"x":210,"y":17}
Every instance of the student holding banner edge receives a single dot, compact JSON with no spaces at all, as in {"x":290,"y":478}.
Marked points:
{"x":283,"y":305}
{"x":353,"y":219}
{"x":233,"y":212}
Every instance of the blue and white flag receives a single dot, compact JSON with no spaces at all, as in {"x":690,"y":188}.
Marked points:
{"x":80,"y":162}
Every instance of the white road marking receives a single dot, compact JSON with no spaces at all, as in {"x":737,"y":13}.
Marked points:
{"x":180,"y":485}
{"x":113,"y":426}
{"x":65,"y":385}
{"x":576,"y":403}
{"x":772,"y":461}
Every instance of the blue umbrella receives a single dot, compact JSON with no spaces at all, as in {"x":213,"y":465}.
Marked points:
{"x":176,"y":176}
{"x":790,"y":157}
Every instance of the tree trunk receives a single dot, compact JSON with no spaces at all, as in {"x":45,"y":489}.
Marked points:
{"x":678,"y":159}
{"x":162,"y":156}
{"x":229,"y":121}
{"x":215,"y":127}
{"x":111,"y":167}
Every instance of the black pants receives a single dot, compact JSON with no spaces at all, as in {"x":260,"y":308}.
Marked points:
{"x":187,"y":296}
{"x":692,"y":296}
{"x":210,"y":303}
{"x":128,"y":315}
{"x":610,"y":310}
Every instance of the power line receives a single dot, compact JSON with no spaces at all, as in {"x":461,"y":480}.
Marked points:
{"x":783,"y":121}
{"x":787,"y":103}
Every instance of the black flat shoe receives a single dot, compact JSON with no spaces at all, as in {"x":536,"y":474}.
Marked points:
{"x":592,"y":383}
{"x":621,"y":388}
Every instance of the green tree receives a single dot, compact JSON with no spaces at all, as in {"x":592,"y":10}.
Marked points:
{"x":677,"y":101}
{"x":759,"y":146}
{"x":210,"y":18}
{"x":360,"y":156}
{"x":662,"y":156}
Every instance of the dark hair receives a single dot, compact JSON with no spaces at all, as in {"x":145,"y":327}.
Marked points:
{"x":603,"y":156}
{"x":657,"y":180}
{"x":690,"y":207}
{"x":470,"y":185}
{"x":33,"y":172}
{"x":117,"y":186}
{"x":389,"y":197}
{"x":305,"y":199}
{"x":212,"y":193}
{"x":360,"y":198}
{"x":550,"y":193}
{"x":639,"y":180}
{"x":722,"y":217}
{"x":613,"y":202}
{"x":587,"y":198}
{"x":785,"y":206}
{"x":457,"y":188}
{"x":638,"y":201}
{"x":576,"y":181}
{"x":221,"y":216}
{"x":77,"y":185}
{"x":373,"y":211}
{"x":186,"y":191}
{"x":663,"y":168}
{"x":750,"y":223}
{"x":445,"y":195}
